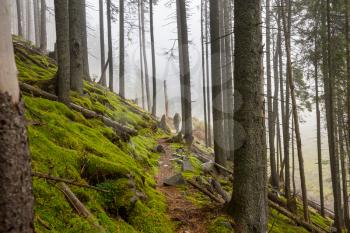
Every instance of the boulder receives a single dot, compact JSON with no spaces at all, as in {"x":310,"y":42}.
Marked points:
{"x":208,"y":166}
{"x":164,"y":125}
{"x":159,"y":149}
{"x":174,"y":180}
{"x":187,"y":165}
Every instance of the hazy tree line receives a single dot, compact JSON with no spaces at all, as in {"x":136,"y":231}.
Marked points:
{"x":254,"y":89}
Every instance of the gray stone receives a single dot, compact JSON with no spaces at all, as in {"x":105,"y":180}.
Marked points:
{"x":159,"y":149}
{"x":187,"y":166}
{"x":208,"y":166}
{"x":174,"y":180}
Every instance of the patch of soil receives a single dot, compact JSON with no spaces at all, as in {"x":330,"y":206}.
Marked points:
{"x":190,"y":218}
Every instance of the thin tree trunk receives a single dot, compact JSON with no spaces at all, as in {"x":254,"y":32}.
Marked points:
{"x":275,"y":105}
{"x":218,"y":118}
{"x":43,"y":34}
{"x":121,"y":50}
{"x":166,"y":101}
{"x":63,"y":53}
{"x":102,"y":44}
{"x":185,"y":74}
{"x":29,"y":20}
{"x":293,"y":160}
{"x":86,"y":70}
{"x":145,"y":56}
{"x":204,"y":77}
{"x":110,"y":45}
{"x":319,"y":142}
{"x":19,"y":18}
{"x":347,"y":36}
{"x":16,"y":199}
{"x":154,"y":70}
{"x":36,"y":22}
{"x":208,"y":72}
{"x":141,"y":57}
{"x":250,"y":171}
{"x":75,"y":44}
{"x":287,"y":31}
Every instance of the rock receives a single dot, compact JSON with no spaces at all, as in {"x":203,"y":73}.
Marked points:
{"x":208,"y":166}
{"x":174,"y":180}
{"x":163,"y":125}
{"x":159,"y":149}
{"x":187,"y":165}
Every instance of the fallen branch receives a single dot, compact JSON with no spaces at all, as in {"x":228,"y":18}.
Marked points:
{"x":58,"y":179}
{"x":206,"y":192}
{"x":78,"y":206}
{"x":216,"y":185}
{"x":86,"y":112}
{"x":295,"y":218}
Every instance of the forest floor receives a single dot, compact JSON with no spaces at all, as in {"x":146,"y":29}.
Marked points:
{"x":190,"y":218}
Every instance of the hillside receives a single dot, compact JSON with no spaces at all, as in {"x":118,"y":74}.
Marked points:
{"x":65,"y":143}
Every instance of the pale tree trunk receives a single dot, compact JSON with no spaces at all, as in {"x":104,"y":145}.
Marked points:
{"x":19,"y":18}
{"x":218,"y":118}
{"x":271,"y":122}
{"x":141,"y":56}
{"x":204,"y":76}
{"x":63,"y":53}
{"x":102,"y":44}
{"x":76,"y":49}
{"x":16,"y":199}
{"x":250,"y":160}
{"x":319,"y":142}
{"x":86,"y":70}
{"x":275,"y":105}
{"x":110,"y":45}
{"x":347,"y":36}
{"x":36,"y":22}
{"x":29,"y":20}
{"x":329,"y":89}
{"x":208,"y":72}
{"x":154,"y":70}
{"x":166,"y":101}
{"x":43,"y":34}
{"x":148,"y":96}
{"x":287,"y":31}
{"x":185,"y":78}
{"x":121,"y":50}
{"x":228,"y":94}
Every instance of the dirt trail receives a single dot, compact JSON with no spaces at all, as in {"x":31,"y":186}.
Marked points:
{"x":191,"y":219}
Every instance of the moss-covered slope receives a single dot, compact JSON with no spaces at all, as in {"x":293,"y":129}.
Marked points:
{"x":65,"y":144}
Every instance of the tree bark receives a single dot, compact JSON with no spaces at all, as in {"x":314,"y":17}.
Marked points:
{"x":347,"y":36}
{"x":145,"y":55}
{"x":110,"y":45}
{"x":29,"y":20}
{"x":16,"y":199}
{"x":63,"y":53}
{"x":204,"y":75}
{"x":86,"y":70}
{"x":43,"y":34}
{"x":208,"y":73}
{"x":76,"y":49}
{"x":121,"y":50}
{"x":250,"y":171}
{"x":154,"y":70}
{"x":36,"y":22}
{"x":141,"y":55}
{"x":103,"y":80}
{"x":19,"y":18}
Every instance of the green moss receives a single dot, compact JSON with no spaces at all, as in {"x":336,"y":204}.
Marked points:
{"x":220,"y":225}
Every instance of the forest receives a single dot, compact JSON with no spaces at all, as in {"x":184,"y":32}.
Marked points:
{"x":174,"y":116}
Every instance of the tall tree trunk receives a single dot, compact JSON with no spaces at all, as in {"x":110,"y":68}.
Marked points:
{"x":19,"y":18}
{"x":218,"y":118}
{"x":347,"y":36}
{"x":110,"y":46}
{"x":166,"y":101}
{"x":121,"y":50}
{"x":319,"y":142}
{"x":36,"y":22}
{"x":154,"y":70}
{"x":229,"y":78}
{"x":145,"y":56}
{"x":275,"y":104}
{"x":75,"y":44}
{"x":103,"y":80}
{"x":250,"y":171}
{"x":141,"y":57}
{"x":29,"y":20}
{"x":86,"y":70}
{"x":271,"y":122}
{"x":204,"y":76}
{"x":287,"y":31}
{"x":185,"y":78}
{"x":208,"y":72}
{"x":329,"y":88}
{"x":43,"y":34}
{"x":16,"y":199}
{"x":63,"y":53}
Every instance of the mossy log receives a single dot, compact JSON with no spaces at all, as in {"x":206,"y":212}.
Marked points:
{"x":206,"y":192}
{"x":121,"y":129}
{"x":295,"y":218}
{"x":78,"y":206}
{"x":216,"y":185}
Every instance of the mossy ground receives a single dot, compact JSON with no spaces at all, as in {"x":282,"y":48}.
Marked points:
{"x":65,"y":144}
